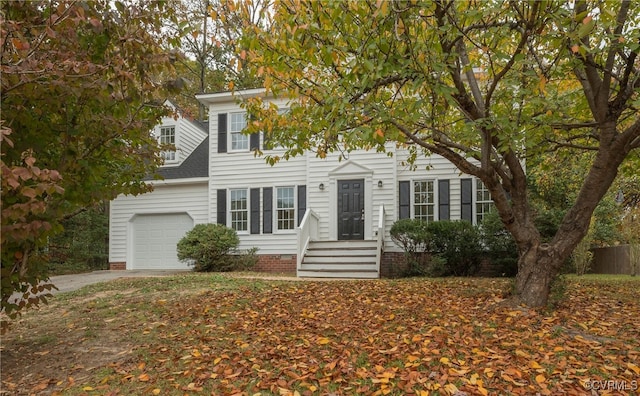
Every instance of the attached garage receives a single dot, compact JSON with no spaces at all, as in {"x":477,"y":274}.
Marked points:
{"x":154,"y":240}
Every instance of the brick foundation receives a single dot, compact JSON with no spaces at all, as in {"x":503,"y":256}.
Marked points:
{"x":393,"y":265}
{"x":281,"y":263}
{"x":118,"y":266}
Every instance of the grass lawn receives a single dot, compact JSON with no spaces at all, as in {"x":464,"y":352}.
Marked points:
{"x":224,"y":335}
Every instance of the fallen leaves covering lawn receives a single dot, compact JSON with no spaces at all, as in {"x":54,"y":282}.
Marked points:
{"x":224,"y":336}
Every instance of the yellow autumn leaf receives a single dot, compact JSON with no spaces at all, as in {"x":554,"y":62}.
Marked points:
{"x":444,"y":360}
{"x":542,"y":84}
{"x":144,"y":377}
{"x":521,"y":353}
{"x":534,"y":365}
{"x":633,"y":367}
{"x":156,"y":391}
{"x":451,"y":389}
{"x":540,"y":378}
{"x":323,"y":340}
{"x":87,"y":388}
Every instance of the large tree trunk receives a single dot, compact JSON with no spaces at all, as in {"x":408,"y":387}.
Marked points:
{"x":537,"y":269}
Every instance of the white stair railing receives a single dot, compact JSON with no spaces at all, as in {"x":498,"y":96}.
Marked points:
{"x":380,"y":232}
{"x":306,"y":232}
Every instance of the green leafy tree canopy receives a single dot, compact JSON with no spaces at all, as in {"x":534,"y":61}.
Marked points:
{"x":485,"y":84}
{"x":80,"y":93}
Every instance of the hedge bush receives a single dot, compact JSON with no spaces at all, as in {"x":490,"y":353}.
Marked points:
{"x":454,"y":248}
{"x":413,"y":237}
{"x":210,"y":248}
{"x":440,"y":248}
{"x":459,"y":244}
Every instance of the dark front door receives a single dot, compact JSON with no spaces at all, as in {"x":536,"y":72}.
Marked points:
{"x":350,"y":209}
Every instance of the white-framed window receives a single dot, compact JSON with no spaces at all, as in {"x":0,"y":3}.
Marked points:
{"x":424,"y":200}
{"x":168,"y":136}
{"x":239,"y":141}
{"x":285,"y":208}
{"x":484,"y":204}
{"x":239,"y":209}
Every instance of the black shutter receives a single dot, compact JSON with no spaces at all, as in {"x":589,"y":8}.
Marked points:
{"x":302,"y":202}
{"x":254,"y":195}
{"x":267,"y":210}
{"x":222,"y":132}
{"x":404,"y":199}
{"x":222,"y":207}
{"x":254,"y":141}
{"x":443,"y":200}
{"x":466,"y":199}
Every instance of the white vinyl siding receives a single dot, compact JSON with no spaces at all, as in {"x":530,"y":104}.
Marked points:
{"x":239,"y":209}
{"x":285,"y":208}
{"x":238,"y":170}
{"x":164,"y":199}
{"x":239,"y":141}
{"x":184,"y":134}
{"x":242,"y":169}
{"x":424,"y":200}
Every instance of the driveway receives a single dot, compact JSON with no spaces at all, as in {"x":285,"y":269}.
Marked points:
{"x":66,"y":283}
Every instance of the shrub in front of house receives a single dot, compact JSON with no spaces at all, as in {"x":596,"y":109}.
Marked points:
{"x":440,"y":248}
{"x":417,"y":240}
{"x":210,"y":248}
{"x":459,"y":244}
{"x":413,"y":237}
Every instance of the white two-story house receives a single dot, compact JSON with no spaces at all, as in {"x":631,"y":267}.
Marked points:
{"x":310,"y":216}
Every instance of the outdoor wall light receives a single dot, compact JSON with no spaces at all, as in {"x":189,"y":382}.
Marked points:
{"x":380,"y":183}
{"x":321,"y":186}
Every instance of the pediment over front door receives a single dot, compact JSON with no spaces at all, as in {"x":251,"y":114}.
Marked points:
{"x":350,"y":168}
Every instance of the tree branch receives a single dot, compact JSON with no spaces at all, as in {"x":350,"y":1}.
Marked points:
{"x":459,"y":161}
{"x":621,"y":18}
{"x":588,"y":75}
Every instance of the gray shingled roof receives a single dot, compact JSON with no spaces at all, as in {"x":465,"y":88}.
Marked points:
{"x":196,"y":165}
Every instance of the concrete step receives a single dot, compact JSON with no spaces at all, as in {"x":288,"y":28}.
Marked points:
{"x":338,"y":274}
{"x":342,"y":244}
{"x":340,"y":266}
{"x":340,"y":259}
{"x":332,"y":252}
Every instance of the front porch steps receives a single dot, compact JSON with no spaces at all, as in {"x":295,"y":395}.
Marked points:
{"x":340,"y":259}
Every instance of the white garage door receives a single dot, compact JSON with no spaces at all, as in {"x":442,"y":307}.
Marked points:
{"x":155,"y":238}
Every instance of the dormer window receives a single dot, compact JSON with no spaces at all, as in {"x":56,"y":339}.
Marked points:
{"x":168,"y":137}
